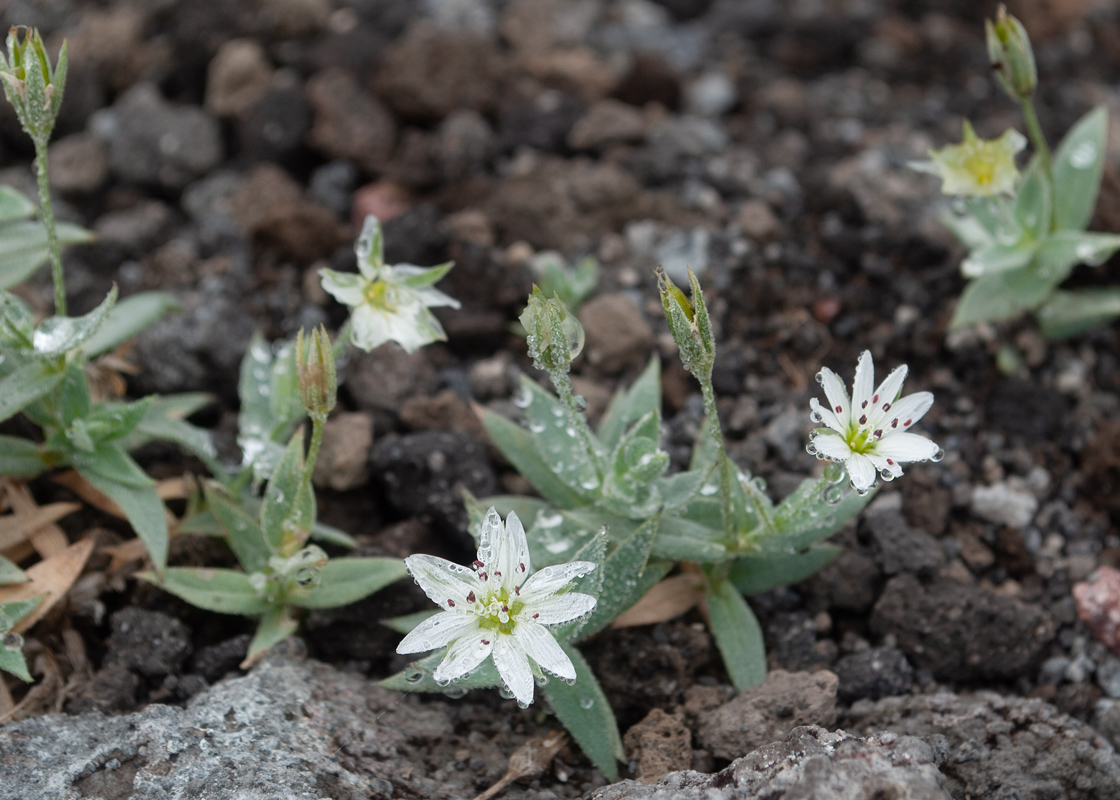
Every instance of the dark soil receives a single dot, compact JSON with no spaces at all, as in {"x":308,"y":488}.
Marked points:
{"x":225,"y":150}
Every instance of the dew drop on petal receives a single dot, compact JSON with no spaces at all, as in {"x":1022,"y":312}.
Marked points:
{"x":820,"y":378}
{"x":811,"y":449}
{"x":522,"y":704}
{"x":940,"y":454}
{"x":816,"y":417}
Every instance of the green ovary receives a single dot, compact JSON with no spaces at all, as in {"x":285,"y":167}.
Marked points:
{"x":491,"y":615}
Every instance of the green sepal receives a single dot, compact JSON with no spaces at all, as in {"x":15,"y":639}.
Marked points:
{"x":225,"y":591}
{"x":276,"y":625}
{"x":738,"y":635}
{"x":13,"y":611}
{"x":12,"y":661}
{"x":1078,"y":166}
{"x":583,"y":709}
{"x":754,"y":574}
{"x":10,"y":573}
{"x":143,"y":509}
{"x":346,"y":580}
{"x":128,"y":318}
{"x":428,"y":276}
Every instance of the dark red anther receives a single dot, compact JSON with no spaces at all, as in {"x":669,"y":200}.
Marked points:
{"x":863,"y":419}
{"x":451,"y":603}
{"x":535,"y":616}
{"x":470,"y":597}
{"x":486,"y":641}
{"x":839,"y":409}
{"x":889,"y":461}
{"x":907,"y":423}
{"x":875,"y":399}
{"x":478,"y":564}
{"x":522,"y":566}
{"x":894,"y":423}
{"x":864,"y":404}
{"x":878,"y":434}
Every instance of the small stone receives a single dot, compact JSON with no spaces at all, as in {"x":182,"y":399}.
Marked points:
{"x":465,"y":143}
{"x":237,"y":76}
{"x":290,"y":19}
{"x":901,"y":547}
{"x":605,"y":124}
{"x":272,"y":209}
{"x":661,"y":743}
{"x":758,"y":223}
{"x":1004,"y":504}
{"x":875,"y":673}
{"x":150,"y":643}
{"x":274,"y":126}
{"x":681,"y":251}
{"x":344,"y":458}
{"x":1108,"y":676}
{"x":383,"y":379}
{"x":350,"y":123}
{"x":385,"y":200}
{"x":490,"y":377}
{"x":713,"y":94}
{"x":79,"y":164}
{"x":1098,"y":606}
{"x":618,"y":336}
{"x":767,"y":713}
{"x":444,"y":412}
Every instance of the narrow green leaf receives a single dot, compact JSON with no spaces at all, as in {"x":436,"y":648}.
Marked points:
{"x":621,"y":581}
{"x":676,"y":490}
{"x":223,"y":590}
{"x":243,"y":533}
{"x":282,"y":492}
{"x":56,"y":336}
{"x":1078,"y":164}
{"x":967,"y":229}
{"x":584,"y":711}
{"x":738,"y":635}
{"x":332,"y":535}
{"x":406,"y":622}
{"x":681,"y":539}
{"x":111,"y":421}
{"x":12,"y":661}
{"x":10,"y":573}
{"x":519,"y":448}
{"x":24,"y":248}
{"x":276,"y":625}
{"x":110,"y":463}
{"x":25,"y":385}
{"x":998,"y":258}
{"x":346,"y":580}
{"x":806,"y":516}
{"x":19,"y":457}
{"x":1033,"y":202}
{"x":143,"y":509}
{"x":632,"y":404}
{"x":590,"y":583}
{"x":1071,"y":313}
{"x":14,"y":205}
{"x":128,"y":318}
{"x":13,"y":611}
{"x":754,"y":574}
{"x":561,"y":446}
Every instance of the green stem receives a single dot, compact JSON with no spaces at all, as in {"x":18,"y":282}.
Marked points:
{"x":48,"y":223}
{"x":727,"y":512}
{"x":1038,"y":139}
{"x":562,"y":382}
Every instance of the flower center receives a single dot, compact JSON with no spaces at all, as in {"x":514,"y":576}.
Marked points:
{"x":377,"y":295}
{"x":982,"y":167}
{"x":498,"y":611}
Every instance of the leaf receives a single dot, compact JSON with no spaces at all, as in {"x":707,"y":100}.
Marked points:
{"x":280,"y":512}
{"x":590,"y":583}
{"x":332,"y":535}
{"x":805,"y":517}
{"x":12,"y":612}
{"x":1033,"y":202}
{"x":51,"y":578}
{"x":20,"y":457}
{"x":12,"y":661}
{"x":143,"y":509}
{"x":14,"y":205}
{"x":682,"y":539}
{"x":665,"y":601}
{"x":633,"y":404}
{"x":158,"y":426}
{"x":584,"y":711}
{"x":967,"y":229}
{"x":558,"y":443}
{"x":112,"y":464}
{"x":346,"y":580}
{"x":417,"y":677}
{"x":25,"y":385}
{"x":738,"y":635}
{"x":243,"y":533}
{"x":56,"y":336}
{"x":519,"y":448}
{"x":270,"y":404}
{"x":676,"y":490}
{"x":275,"y":626}
{"x":998,"y":258}
{"x":1078,"y":164}
{"x":10,"y":573}
{"x":625,"y":578}
{"x":1070,"y":313}
{"x":406,"y":622}
{"x":24,"y":248}
{"x":754,"y":574}
{"x":226,"y":591}
{"x":128,"y":318}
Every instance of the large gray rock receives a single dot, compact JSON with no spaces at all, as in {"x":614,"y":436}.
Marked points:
{"x":810,"y":763}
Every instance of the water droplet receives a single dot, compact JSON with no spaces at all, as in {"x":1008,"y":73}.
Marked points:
{"x":940,"y":454}
{"x":590,"y":483}
{"x":586,"y":702}
{"x":456,"y":692}
{"x":811,"y":449}
{"x":505,"y":693}
{"x":414,"y":676}
{"x":13,"y":641}
{"x":1083,"y":156}
{"x":523,"y":398}
{"x":886,"y":475}
{"x":522,"y":704}
{"x":816,"y":416}
{"x":580,"y":402}
{"x":820,"y":378}
{"x":863,"y":492}
{"x":759,"y":484}
{"x":536,"y":427}
{"x":558,"y":411}
{"x":834,"y":473}
{"x":708,"y":489}
{"x":542,"y":680}
{"x":832,"y":495}
{"x":570,"y":681}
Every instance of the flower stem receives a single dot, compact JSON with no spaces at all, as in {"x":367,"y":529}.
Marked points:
{"x":727,"y":512}
{"x":48,"y":223}
{"x":562,"y":382}
{"x":1038,"y":139}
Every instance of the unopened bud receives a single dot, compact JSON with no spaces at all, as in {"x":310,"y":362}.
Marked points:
{"x":32,"y":84}
{"x":1009,"y":50}
{"x":315,"y":370}
{"x":689,"y":324}
{"x":555,"y":337}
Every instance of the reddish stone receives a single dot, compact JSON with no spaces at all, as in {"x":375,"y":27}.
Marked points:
{"x":1098,"y":605}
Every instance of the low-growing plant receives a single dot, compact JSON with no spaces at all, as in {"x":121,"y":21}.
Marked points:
{"x":1025,"y":233}
{"x":607,"y":501}
{"x":11,"y":612}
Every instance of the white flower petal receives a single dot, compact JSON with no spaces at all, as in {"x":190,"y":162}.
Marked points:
{"x":888,"y":465}
{"x":434,"y":298}
{"x":861,"y":471}
{"x":503,"y":549}
{"x":347,"y":288}
{"x":465,"y":654}
{"x":906,"y":447}
{"x":556,"y":609}
{"x":540,"y":646}
{"x":863,"y":386}
{"x":513,"y":666}
{"x":437,"y":631}
{"x":906,"y":412}
{"x":837,"y":395}
{"x":446,"y":584}
{"x":832,"y":447}
{"x":410,"y":329}
{"x":370,"y":328}
{"x":885,"y":395}
{"x":828,"y":416}
{"x":549,"y":580}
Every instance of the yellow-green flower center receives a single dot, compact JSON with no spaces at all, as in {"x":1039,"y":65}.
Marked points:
{"x":377,"y":295}
{"x":981,"y":166}
{"x":498,"y":611}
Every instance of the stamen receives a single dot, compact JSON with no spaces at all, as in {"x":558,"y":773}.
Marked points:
{"x":863,"y":418}
{"x":890,"y":461}
{"x":864,"y":404}
{"x":879,"y":434}
{"x":517,"y":590}
{"x":906,"y":424}
{"x":478,"y":564}
{"x":886,"y":406}
{"x":497,"y":574}
{"x":875,"y":399}
{"x":535,"y":616}
{"x":894,"y":423}
{"x":486,"y":641}
{"x":521,"y":566}
{"x":471,"y":597}
{"x":451,"y":603}
{"x":839,"y":409}
{"x":482,"y":576}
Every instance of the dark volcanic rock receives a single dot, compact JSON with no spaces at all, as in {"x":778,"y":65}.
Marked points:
{"x":875,"y":673}
{"x":901,"y":547}
{"x":962,"y":632}
{"x":148,"y":642}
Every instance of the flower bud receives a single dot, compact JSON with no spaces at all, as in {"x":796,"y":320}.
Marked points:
{"x":689,"y":324}
{"x":315,"y":370}
{"x":32,"y":84}
{"x":1009,"y":50}
{"x":554,"y":335}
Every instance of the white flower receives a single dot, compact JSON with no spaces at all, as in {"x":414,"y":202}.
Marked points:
{"x":497,"y":609}
{"x":871,"y":431}
{"x":388,"y":302}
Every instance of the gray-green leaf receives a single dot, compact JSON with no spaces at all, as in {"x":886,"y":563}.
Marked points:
{"x":223,"y":590}
{"x":1078,"y":164}
{"x":738,"y":635}
{"x":128,"y":318}
{"x":584,"y":711}
{"x":346,"y":580}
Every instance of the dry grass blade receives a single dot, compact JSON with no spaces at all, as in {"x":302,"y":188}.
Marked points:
{"x":45,"y":697}
{"x":20,"y":526}
{"x":51,"y":578}
{"x":528,"y":761}
{"x":665,"y":601}
{"x":48,"y":539}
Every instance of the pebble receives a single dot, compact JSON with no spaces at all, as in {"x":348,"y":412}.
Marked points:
{"x":350,"y":123}
{"x":618,"y":336}
{"x":79,"y":164}
{"x":681,"y":251}
{"x":1004,"y":504}
{"x":344,"y":458}
{"x":713,"y":94}
{"x":239,"y":73}
{"x":607,"y":123}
